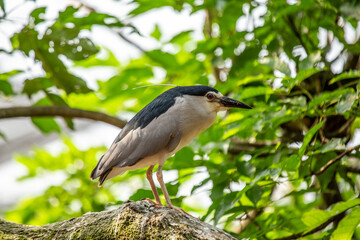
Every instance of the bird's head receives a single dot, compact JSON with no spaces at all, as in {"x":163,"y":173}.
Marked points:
{"x":221,"y":103}
{"x":210,"y":98}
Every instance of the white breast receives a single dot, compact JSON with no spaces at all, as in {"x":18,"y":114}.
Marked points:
{"x":195,"y":116}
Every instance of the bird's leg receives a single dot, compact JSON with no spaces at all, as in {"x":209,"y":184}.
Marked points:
{"x":153,"y":187}
{"x":164,"y":190}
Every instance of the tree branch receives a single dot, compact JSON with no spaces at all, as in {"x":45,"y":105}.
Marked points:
{"x":62,"y":111}
{"x":332,"y":161}
{"x":318,"y":228}
{"x":132,"y":220}
{"x":250,"y":217}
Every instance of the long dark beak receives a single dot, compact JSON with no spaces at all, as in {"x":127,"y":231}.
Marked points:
{"x":231,"y":103}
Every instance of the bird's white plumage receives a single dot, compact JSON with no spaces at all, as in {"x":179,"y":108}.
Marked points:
{"x":190,"y":115}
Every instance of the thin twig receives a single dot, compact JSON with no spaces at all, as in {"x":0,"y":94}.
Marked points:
{"x":332,"y":161}
{"x":318,"y":228}
{"x":343,"y":127}
{"x":126,"y":39}
{"x":292,"y":26}
{"x":62,"y":111}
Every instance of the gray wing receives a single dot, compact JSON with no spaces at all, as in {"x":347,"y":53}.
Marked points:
{"x":163,"y":133}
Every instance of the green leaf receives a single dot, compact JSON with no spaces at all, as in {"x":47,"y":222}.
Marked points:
{"x":307,"y":139}
{"x":315,"y":217}
{"x":345,"y":103}
{"x":327,"y":97}
{"x":165,"y":59}
{"x":80,"y":51}
{"x":109,"y":60}
{"x":183,"y":159}
{"x":254,"y":194}
{"x":250,"y":92}
{"x":3,"y":136}
{"x":343,"y":206}
{"x":5,"y":76}
{"x":333,"y":144}
{"x":38,"y":15}
{"x":147,"y":5}
{"x":352,"y":74}
{"x":6,"y":88}
{"x":276,"y":63}
{"x":46,"y":124}
{"x":141,"y":194}
{"x":181,"y":38}
{"x":70,"y":123}
{"x":347,"y":226}
{"x":156,"y":32}
{"x":34,"y":85}
{"x":2,"y":6}
{"x":301,"y":76}
{"x":226,"y":203}
{"x":326,"y":177}
{"x":292,"y":163}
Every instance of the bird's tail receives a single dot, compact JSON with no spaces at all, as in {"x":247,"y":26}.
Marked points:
{"x":94,"y":174}
{"x":104,"y":175}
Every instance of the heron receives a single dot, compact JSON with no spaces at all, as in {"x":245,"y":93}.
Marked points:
{"x":159,"y":130}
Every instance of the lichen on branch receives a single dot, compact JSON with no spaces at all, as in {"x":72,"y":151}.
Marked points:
{"x":132,"y":220}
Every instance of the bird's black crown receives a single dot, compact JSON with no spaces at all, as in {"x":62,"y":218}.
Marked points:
{"x":197,"y":90}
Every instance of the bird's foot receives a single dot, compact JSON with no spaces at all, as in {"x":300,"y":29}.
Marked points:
{"x":156,"y":205}
{"x":179,"y":210}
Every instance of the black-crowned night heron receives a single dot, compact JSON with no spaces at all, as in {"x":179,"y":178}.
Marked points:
{"x":159,"y":130}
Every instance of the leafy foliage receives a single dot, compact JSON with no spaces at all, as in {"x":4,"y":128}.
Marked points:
{"x":265,"y":167}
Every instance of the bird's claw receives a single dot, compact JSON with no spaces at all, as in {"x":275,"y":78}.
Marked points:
{"x":179,"y":210}
{"x":156,"y":205}
{"x":159,"y":205}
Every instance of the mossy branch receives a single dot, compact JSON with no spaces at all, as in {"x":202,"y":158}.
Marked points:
{"x":132,"y":220}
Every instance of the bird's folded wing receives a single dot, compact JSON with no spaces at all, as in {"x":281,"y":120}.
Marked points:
{"x":164,"y":133}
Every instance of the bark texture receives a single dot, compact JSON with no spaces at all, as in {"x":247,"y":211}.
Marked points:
{"x":61,"y":111}
{"x":132,"y":220}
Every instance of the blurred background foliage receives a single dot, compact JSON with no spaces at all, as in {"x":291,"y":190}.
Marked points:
{"x":288,"y":168}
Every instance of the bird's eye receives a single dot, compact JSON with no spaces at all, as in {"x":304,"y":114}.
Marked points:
{"x":210,"y":96}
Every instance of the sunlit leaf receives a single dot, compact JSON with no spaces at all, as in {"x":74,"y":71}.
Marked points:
{"x":307,"y":139}
{"x":141,"y":194}
{"x":346,"y":75}
{"x":156,"y":32}
{"x":38,"y":15}
{"x":301,"y":76}
{"x":46,"y":124}
{"x":254,"y":194}
{"x":347,"y":226}
{"x":226,"y":203}
{"x":327,"y":97}
{"x":315,"y":217}
{"x":6,"y":88}
{"x":346,"y":102}
{"x":2,"y":6}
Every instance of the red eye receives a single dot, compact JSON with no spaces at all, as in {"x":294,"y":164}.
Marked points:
{"x":210,"y":96}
